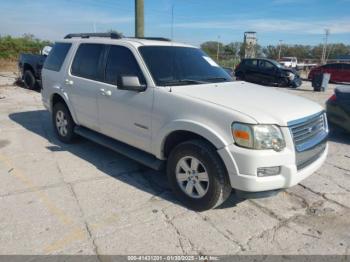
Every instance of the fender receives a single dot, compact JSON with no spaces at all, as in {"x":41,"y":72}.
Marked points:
{"x":185,"y":125}
{"x":60,"y":91}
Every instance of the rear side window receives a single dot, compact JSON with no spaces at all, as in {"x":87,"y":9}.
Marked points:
{"x":330,"y":66}
{"x":251,"y":62}
{"x":338,"y":66}
{"x":56,"y":56}
{"x":121,"y":62}
{"x":346,"y":66}
{"x":87,"y":61}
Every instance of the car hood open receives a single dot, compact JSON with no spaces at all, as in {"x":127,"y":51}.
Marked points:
{"x":265,"y":105}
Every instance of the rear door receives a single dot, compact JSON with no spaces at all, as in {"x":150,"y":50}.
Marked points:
{"x":251,"y":70}
{"x":83,"y":81}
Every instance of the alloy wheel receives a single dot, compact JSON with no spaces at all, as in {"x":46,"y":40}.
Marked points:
{"x":192,"y":177}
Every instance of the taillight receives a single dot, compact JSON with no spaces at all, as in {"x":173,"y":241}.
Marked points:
{"x":333,"y":98}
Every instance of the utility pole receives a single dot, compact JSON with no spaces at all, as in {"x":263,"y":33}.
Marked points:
{"x":139,"y":18}
{"x":279,"y":51}
{"x":218,"y":49}
{"x":325,"y":46}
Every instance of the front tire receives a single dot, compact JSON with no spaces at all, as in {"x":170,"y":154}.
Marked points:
{"x":63,"y":123}
{"x":197,"y":175}
{"x":283,"y":82}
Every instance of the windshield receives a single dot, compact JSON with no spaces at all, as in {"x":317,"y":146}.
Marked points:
{"x":173,"y":65}
{"x":276,"y":63}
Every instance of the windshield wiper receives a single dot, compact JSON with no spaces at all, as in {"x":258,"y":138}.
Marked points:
{"x":182,"y":82}
{"x":221,"y":79}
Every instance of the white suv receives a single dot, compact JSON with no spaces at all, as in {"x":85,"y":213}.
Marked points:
{"x":168,"y":104}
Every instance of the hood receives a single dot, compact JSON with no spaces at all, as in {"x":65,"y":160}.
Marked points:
{"x":265,"y":105}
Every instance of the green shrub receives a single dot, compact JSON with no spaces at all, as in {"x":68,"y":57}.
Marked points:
{"x":11,"y":47}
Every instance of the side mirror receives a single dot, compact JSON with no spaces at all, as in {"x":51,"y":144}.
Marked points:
{"x":46,"y":50}
{"x":131,"y":83}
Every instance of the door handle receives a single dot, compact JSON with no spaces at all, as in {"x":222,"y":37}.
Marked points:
{"x":105,"y":92}
{"x":69,"y":82}
{"x":108,"y":93}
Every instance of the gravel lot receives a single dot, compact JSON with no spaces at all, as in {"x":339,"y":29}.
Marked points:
{"x":85,"y":199}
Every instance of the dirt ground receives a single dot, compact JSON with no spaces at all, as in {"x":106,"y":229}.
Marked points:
{"x":85,"y":199}
{"x":8,"y":66}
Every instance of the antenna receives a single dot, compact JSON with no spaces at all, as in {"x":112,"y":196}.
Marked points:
{"x":172,"y":22}
{"x":280,"y":49}
{"x":325,"y":46}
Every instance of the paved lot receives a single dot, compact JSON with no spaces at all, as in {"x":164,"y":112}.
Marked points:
{"x":85,"y":199}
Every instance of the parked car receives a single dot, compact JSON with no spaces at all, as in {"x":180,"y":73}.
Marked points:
{"x":30,"y":66}
{"x":340,"y":72}
{"x":170,"y":105}
{"x":338,"y":107}
{"x":267,"y":72}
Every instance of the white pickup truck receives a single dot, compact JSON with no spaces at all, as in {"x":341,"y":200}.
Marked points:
{"x":291,"y":62}
{"x":169,"y":105}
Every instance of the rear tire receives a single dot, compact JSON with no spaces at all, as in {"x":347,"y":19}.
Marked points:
{"x":63,"y":123}
{"x":29,"y":80}
{"x":197,"y":175}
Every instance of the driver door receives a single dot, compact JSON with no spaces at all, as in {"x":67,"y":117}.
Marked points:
{"x":267,"y":72}
{"x":123,"y":114}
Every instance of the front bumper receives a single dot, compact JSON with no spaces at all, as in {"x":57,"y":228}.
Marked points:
{"x":296,"y":82}
{"x":242,"y":165}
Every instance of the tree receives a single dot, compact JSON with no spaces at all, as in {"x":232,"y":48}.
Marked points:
{"x":211,"y":48}
{"x":232,"y":49}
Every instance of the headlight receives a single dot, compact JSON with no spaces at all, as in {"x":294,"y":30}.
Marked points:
{"x":258,"y":136}
{"x":291,"y":76}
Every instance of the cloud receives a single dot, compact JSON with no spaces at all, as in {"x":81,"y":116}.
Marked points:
{"x":339,"y":26}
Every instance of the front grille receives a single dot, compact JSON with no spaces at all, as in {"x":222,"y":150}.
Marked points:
{"x":309,"y":136}
{"x":306,"y":131}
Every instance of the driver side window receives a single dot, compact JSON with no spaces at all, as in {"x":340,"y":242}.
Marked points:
{"x":266,"y":65}
{"x":121,"y":62}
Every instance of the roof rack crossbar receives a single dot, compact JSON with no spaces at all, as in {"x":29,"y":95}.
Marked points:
{"x":88,"y":35}
{"x":153,"y":38}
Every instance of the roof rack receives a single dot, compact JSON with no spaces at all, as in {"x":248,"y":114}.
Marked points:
{"x":153,"y":38}
{"x":88,"y":35}
{"x":112,"y":36}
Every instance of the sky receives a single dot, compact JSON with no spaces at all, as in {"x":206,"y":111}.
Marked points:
{"x":194,"y":21}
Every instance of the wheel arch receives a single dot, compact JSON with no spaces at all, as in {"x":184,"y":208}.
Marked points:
{"x":183,"y":130}
{"x":27,"y":66}
{"x":56,"y":97}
